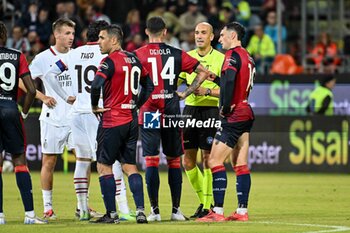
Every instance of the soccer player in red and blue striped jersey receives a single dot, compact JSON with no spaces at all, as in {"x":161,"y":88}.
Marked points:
{"x":13,"y":67}
{"x":165,"y":63}
{"x":232,"y":139}
{"x":120,"y":75}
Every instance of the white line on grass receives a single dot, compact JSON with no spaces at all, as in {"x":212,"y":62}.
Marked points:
{"x":331,"y":228}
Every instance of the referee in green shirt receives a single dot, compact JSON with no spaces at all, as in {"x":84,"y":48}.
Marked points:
{"x":202,"y":105}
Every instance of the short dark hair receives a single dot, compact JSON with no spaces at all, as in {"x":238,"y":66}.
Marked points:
{"x":326,"y":79}
{"x":155,"y":25}
{"x":3,"y":33}
{"x":94,"y":29}
{"x":64,"y":21}
{"x":238,"y":28}
{"x":114,"y":30}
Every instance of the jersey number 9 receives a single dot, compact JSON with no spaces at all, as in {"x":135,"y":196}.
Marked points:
{"x":7,"y":76}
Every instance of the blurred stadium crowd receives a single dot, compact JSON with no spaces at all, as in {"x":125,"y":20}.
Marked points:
{"x":31,"y":20}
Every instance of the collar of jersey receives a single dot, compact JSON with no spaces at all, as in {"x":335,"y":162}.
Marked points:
{"x":205,"y":54}
{"x":54,"y":51}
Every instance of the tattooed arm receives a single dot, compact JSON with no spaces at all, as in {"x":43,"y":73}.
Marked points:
{"x":202,"y":74}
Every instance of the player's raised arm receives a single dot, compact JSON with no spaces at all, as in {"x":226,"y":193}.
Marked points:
{"x":58,"y":68}
{"x":214,"y":78}
{"x":201,"y":91}
{"x":202,"y":75}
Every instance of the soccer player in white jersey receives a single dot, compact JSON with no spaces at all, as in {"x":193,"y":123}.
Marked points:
{"x":54,"y":123}
{"x":82,"y":64}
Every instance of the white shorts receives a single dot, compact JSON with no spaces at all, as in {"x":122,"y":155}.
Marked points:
{"x":55,"y":138}
{"x":84,"y":132}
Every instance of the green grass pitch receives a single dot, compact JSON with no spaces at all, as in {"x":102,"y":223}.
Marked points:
{"x":279,"y":202}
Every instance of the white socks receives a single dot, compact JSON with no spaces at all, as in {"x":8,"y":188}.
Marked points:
{"x":81,"y":183}
{"x":30,"y":214}
{"x":47,"y":199}
{"x":120,"y":194}
{"x":218,"y":210}
{"x":242,"y":211}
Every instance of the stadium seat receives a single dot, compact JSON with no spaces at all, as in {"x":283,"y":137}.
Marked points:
{"x":285,"y":64}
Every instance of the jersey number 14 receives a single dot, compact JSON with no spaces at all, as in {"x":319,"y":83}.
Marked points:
{"x":166,"y":73}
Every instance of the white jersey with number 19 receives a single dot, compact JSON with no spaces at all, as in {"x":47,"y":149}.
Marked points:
{"x":82,"y":65}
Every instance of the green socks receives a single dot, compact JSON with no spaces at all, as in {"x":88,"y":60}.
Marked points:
{"x":207,"y":188}
{"x":196,"y":179}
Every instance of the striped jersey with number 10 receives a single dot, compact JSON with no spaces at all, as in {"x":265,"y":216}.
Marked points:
{"x":123,"y":73}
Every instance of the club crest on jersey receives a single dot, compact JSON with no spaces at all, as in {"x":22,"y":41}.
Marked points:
{"x":231,"y":61}
{"x":151,"y":120}
{"x":103,"y":66}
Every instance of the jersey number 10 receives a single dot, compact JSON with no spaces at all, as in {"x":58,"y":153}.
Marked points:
{"x":134,"y":74}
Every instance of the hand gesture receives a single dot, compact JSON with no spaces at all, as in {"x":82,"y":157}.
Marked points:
{"x":49,"y":101}
{"x":200,"y":91}
{"x":224,"y":112}
{"x":99,"y":111}
{"x":71,"y":100}
{"x":211,"y":76}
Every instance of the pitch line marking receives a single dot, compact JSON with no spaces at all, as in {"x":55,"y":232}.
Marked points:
{"x":332,"y":228}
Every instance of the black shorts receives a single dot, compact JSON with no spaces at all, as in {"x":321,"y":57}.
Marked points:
{"x":117,"y":143}
{"x":171,"y":137}
{"x":200,"y":137}
{"x":171,"y":141}
{"x":231,"y":132}
{"x":12,"y":136}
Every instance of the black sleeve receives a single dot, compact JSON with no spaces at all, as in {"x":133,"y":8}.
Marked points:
{"x":106,"y":68}
{"x":105,"y":71}
{"x":227,"y":82}
{"x":146,"y":90}
{"x":96,"y":89}
{"x":217,"y":80}
{"x":325,"y":104}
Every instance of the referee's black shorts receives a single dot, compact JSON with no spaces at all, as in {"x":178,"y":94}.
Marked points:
{"x":199,"y":137}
